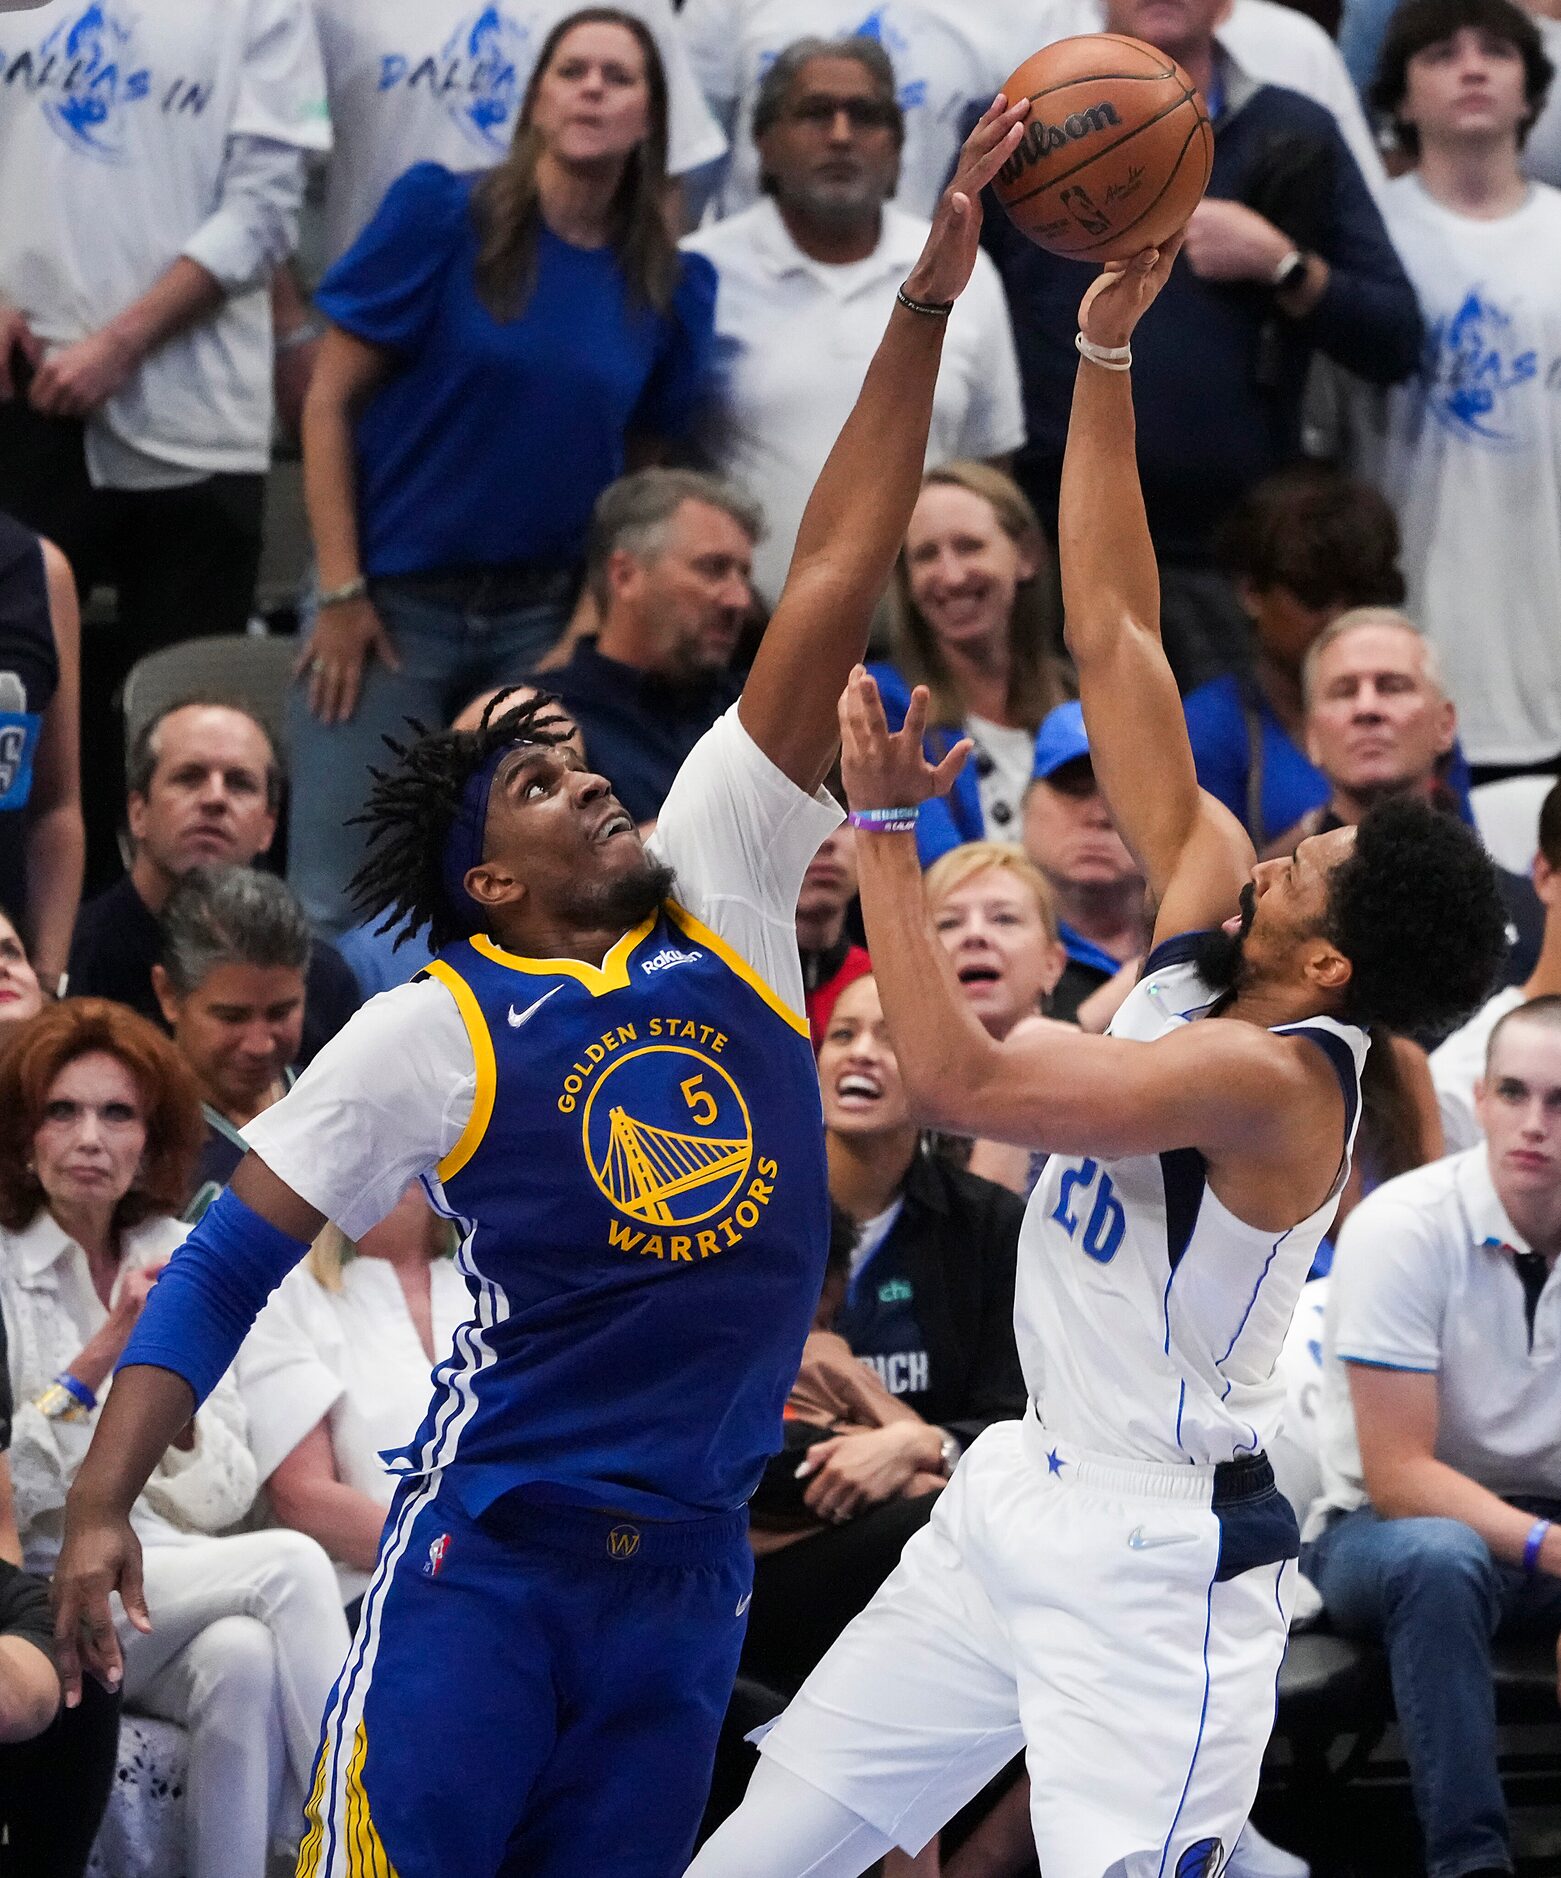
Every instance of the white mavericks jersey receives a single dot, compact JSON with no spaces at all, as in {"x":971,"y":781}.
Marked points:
{"x":1149,"y":1318}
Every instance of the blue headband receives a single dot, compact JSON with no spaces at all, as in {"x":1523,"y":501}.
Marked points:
{"x":463,"y":845}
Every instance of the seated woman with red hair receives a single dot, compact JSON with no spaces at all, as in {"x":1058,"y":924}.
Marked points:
{"x":100,"y":1125}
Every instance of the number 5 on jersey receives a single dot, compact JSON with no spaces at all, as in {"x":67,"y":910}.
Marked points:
{"x":1104,"y":1222}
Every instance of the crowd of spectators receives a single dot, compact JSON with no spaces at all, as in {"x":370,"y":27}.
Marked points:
{"x":556,"y":313}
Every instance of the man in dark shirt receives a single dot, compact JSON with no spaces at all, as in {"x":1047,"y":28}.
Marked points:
{"x":1095,"y":882}
{"x":204,"y":789}
{"x":1285,"y":257}
{"x":668,"y":566}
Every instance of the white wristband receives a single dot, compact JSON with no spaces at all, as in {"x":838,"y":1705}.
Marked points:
{"x":1113,"y":358}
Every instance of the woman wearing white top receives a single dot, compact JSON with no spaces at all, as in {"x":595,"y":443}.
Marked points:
{"x":973,"y":619}
{"x":336,"y":1370}
{"x":99,"y":1127}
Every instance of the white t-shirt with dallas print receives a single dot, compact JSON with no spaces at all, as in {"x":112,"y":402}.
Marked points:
{"x":1469,"y":453}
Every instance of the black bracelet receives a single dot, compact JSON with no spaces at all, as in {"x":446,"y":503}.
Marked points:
{"x":930,"y":309}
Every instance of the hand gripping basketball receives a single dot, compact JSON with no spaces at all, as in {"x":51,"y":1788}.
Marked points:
{"x":1124,"y":293}
{"x":944,"y":269}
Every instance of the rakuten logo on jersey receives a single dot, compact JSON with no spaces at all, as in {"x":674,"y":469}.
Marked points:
{"x":664,"y":960}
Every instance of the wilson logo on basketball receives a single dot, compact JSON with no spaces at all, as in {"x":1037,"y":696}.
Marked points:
{"x":1041,"y":139}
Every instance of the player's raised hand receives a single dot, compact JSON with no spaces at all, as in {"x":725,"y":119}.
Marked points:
{"x":946,"y":263}
{"x":1124,"y":293}
{"x":886,"y":769}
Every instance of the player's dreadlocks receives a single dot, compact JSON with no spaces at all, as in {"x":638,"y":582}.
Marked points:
{"x":412,"y":806}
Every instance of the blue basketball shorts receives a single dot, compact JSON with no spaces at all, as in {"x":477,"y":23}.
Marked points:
{"x":538,"y":1695}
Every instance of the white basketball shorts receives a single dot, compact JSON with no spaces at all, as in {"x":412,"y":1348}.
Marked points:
{"x":1122,"y":1622}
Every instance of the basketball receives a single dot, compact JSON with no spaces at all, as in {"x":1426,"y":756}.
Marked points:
{"x":1116,"y":153}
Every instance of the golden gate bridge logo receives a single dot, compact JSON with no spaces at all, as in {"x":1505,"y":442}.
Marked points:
{"x":668,"y":1137}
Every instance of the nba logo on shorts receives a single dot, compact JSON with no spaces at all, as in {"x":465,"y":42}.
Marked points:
{"x":436,"y":1556}
{"x":1201,"y":1860}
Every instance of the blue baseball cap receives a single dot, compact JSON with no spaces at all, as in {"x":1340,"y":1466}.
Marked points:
{"x":1061,"y":739}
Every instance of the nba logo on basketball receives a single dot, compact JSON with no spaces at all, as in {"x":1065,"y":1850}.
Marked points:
{"x":436,"y":1555}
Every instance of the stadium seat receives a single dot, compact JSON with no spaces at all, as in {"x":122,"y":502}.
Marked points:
{"x":252,"y":668}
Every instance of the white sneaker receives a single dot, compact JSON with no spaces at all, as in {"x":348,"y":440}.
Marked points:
{"x":1256,"y":1857}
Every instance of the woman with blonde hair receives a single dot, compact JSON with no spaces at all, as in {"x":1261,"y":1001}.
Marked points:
{"x":497,"y":344}
{"x":975,"y":619}
{"x":336,"y":1370}
{"x":993,"y":911}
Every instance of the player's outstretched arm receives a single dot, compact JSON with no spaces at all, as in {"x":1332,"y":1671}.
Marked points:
{"x":862,"y":502}
{"x":187,"y":1335}
{"x":1229,"y":1090}
{"x":1195,"y":854}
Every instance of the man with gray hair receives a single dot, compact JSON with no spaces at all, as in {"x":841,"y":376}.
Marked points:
{"x":1378,"y":720}
{"x":668,"y":563}
{"x":807,"y":279}
{"x":1379,"y":723}
{"x":231,"y":985}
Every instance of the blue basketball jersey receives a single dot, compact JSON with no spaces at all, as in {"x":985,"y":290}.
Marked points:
{"x":643,"y":1196}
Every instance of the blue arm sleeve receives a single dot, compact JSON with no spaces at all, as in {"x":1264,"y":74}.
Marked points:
{"x":202,"y":1307}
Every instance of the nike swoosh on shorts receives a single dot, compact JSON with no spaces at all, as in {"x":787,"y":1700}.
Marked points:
{"x":1142,"y":1541}
{"x":517,"y":1018}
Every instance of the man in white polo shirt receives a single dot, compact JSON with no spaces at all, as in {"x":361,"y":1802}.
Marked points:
{"x":808,"y":278}
{"x":1441,"y":1434}
{"x":1458,"y":1064}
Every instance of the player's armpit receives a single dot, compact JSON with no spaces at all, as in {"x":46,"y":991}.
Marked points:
{"x":1212,"y":865}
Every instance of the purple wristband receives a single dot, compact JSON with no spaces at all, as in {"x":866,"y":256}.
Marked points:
{"x":1533,"y":1545}
{"x":884,"y":821}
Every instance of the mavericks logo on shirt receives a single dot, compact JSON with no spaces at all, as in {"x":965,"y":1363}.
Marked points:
{"x":1475,"y":371}
{"x":668,"y":1139}
{"x":90,"y":76}
{"x":475,"y":77}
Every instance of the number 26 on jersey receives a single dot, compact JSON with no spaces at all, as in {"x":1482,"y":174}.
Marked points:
{"x":1086,"y":1195}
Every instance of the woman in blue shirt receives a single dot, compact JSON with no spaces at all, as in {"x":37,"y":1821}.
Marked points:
{"x":497,"y":344}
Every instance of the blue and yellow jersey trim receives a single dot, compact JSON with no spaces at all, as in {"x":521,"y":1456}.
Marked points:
{"x":599,"y":980}
{"x":735,"y":963}
{"x":486,"y":1066}
{"x":611,"y":975}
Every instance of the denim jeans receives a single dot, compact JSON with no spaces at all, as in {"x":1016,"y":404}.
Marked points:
{"x":449,"y":653}
{"x":1431,"y":1593}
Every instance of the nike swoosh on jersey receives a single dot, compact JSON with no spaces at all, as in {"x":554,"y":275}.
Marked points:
{"x":517,"y":1018}
{"x":745,"y":1603}
{"x":1142,"y":1541}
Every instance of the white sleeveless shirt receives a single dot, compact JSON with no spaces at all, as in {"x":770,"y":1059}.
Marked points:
{"x":1149,"y":1318}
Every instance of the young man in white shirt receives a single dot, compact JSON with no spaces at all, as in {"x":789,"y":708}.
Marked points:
{"x":1441,"y":1434}
{"x":1458,"y":1064}
{"x":1469,"y":450}
{"x":807,"y":277}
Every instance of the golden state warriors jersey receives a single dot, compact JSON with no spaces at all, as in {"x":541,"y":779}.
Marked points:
{"x":1149,"y":1318}
{"x":643,"y":1198}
